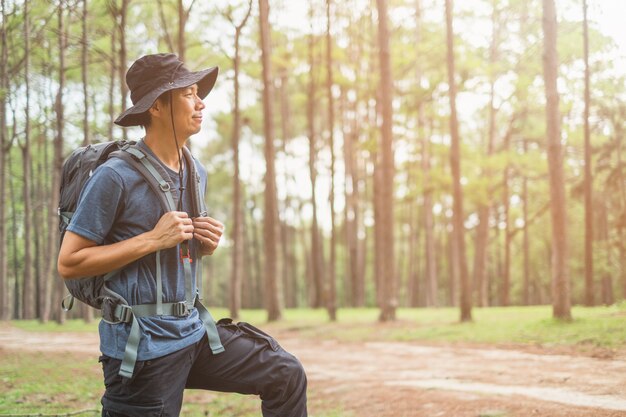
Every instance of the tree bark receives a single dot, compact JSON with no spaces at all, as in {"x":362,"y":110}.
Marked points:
{"x":290,"y":283}
{"x":112,"y":78}
{"x":317,"y":254}
{"x":122,"y":13}
{"x":387,"y":258}
{"x":588,"y":181}
{"x":482,"y":231}
{"x":53,"y":234}
{"x":87,"y":312}
{"x":526,"y":238}
{"x":505,"y":293}
{"x":270,"y":221}
{"x":455,"y":163}
{"x":29,"y":298}
{"x":5,"y":307}
{"x":331,"y":299}
{"x":237,"y":234}
{"x":431,"y":279}
{"x":561,"y":303}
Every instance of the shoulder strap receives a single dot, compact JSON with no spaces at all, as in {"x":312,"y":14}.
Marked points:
{"x":193,"y":178}
{"x":153,"y":173}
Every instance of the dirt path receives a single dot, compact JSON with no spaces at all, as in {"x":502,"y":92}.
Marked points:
{"x":409,"y":379}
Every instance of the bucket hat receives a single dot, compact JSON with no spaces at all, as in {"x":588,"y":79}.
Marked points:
{"x":152,"y":75}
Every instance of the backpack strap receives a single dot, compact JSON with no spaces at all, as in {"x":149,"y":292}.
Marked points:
{"x":154,"y":175}
{"x":152,"y":172}
{"x":197,"y":200}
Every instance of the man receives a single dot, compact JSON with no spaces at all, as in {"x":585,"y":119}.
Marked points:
{"x":119,"y":228}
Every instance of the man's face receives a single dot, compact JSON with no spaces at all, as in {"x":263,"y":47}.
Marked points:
{"x":187,"y":110}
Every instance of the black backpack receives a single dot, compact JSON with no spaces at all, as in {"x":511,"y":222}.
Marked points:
{"x":79,"y":167}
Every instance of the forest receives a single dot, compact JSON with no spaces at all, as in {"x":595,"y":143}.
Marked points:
{"x":361,"y":153}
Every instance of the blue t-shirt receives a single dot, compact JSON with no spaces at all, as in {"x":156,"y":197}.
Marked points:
{"x":117,"y":203}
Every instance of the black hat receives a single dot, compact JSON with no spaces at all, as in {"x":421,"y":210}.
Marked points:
{"x":152,"y":75}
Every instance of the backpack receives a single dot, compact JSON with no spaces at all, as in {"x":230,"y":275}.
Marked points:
{"x":93,"y":290}
{"x":79,"y":167}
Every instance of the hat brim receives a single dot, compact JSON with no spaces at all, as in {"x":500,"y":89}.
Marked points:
{"x":205,"y":80}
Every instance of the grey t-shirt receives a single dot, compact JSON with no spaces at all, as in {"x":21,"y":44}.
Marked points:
{"x":116,"y":204}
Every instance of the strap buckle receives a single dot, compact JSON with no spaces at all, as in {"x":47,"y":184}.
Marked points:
{"x":114,"y":312}
{"x":181,"y":309}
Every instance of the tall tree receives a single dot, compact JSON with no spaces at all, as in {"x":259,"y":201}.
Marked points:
{"x":270,"y":219}
{"x":331,"y":299}
{"x":432,"y":284}
{"x":57,"y":166}
{"x":120,"y":14}
{"x":85,"y":75}
{"x":5,"y":310}
{"x":588,"y":176}
{"x":317,"y":253}
{"x":455,"y":163}
{"x":389,"y":300}
{"x":561,"y":302}
{"x":87,"y":312}
{"x":28,"y":294}
{"x":238,"y":217}
{"x":482,"y":230}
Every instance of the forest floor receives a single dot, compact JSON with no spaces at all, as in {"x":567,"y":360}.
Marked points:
{"x":394,"y":379}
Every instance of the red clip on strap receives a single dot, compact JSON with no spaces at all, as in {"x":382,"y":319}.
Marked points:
{"x":184,"y":252}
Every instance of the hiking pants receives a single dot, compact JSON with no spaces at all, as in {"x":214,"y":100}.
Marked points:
{"x":253,"y":363}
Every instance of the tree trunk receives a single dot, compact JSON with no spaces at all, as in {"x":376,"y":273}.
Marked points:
{"x":455,"y":163}
{"x":182,"y":22}
{"x":237,"y":234}
{"x":122,"y":12}
{"x":85,"y":75}
{"x":28,"y":295}
{"x":270,"y":217}
{"x":53,"y":234}
{"x":40,"y":181}
{"x":506,"y":273}
{"x":290,"y":283}
{"x":112,"y":78}
{"x":526,"y":251}
{"x":17,"y":302}
{"x":603,"y":237}
{"x":482,"y":231}
{"x":588,"y":181}
{"x":87,"y":312}
{"x":5,"y":308}
{"x":431,"y":280}
{"x":317,"y":254}
{"x":561,"y":303}
{"x":331,"y":300}
{"x":387,"y":259}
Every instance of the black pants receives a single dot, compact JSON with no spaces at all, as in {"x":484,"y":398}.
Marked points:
{"x":253,"y":363}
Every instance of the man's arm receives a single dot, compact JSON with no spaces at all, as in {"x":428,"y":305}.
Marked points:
{"x":81,"y":257}
{"x":208,"y":232}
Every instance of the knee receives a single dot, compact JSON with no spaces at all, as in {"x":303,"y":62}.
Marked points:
{"x":288,"y":376}
{"x":295,"y":372}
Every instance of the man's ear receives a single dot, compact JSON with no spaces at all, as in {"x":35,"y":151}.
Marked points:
{"x":156,"y":108}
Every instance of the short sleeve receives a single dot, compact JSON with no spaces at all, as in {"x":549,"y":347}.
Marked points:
{"x":98,"y":205}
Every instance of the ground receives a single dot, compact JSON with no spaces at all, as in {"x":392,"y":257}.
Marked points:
{"x":395,"y":379}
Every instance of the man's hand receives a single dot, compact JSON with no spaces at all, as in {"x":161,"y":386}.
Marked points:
{"x":208,"y":232}
{"x":173,"y":228}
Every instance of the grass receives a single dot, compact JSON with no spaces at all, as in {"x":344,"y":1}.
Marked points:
{"x":37,"y":382}
{"x":592,"y":326}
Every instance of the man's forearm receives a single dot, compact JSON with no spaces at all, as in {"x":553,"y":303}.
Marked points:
{"x":77,"y":261}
